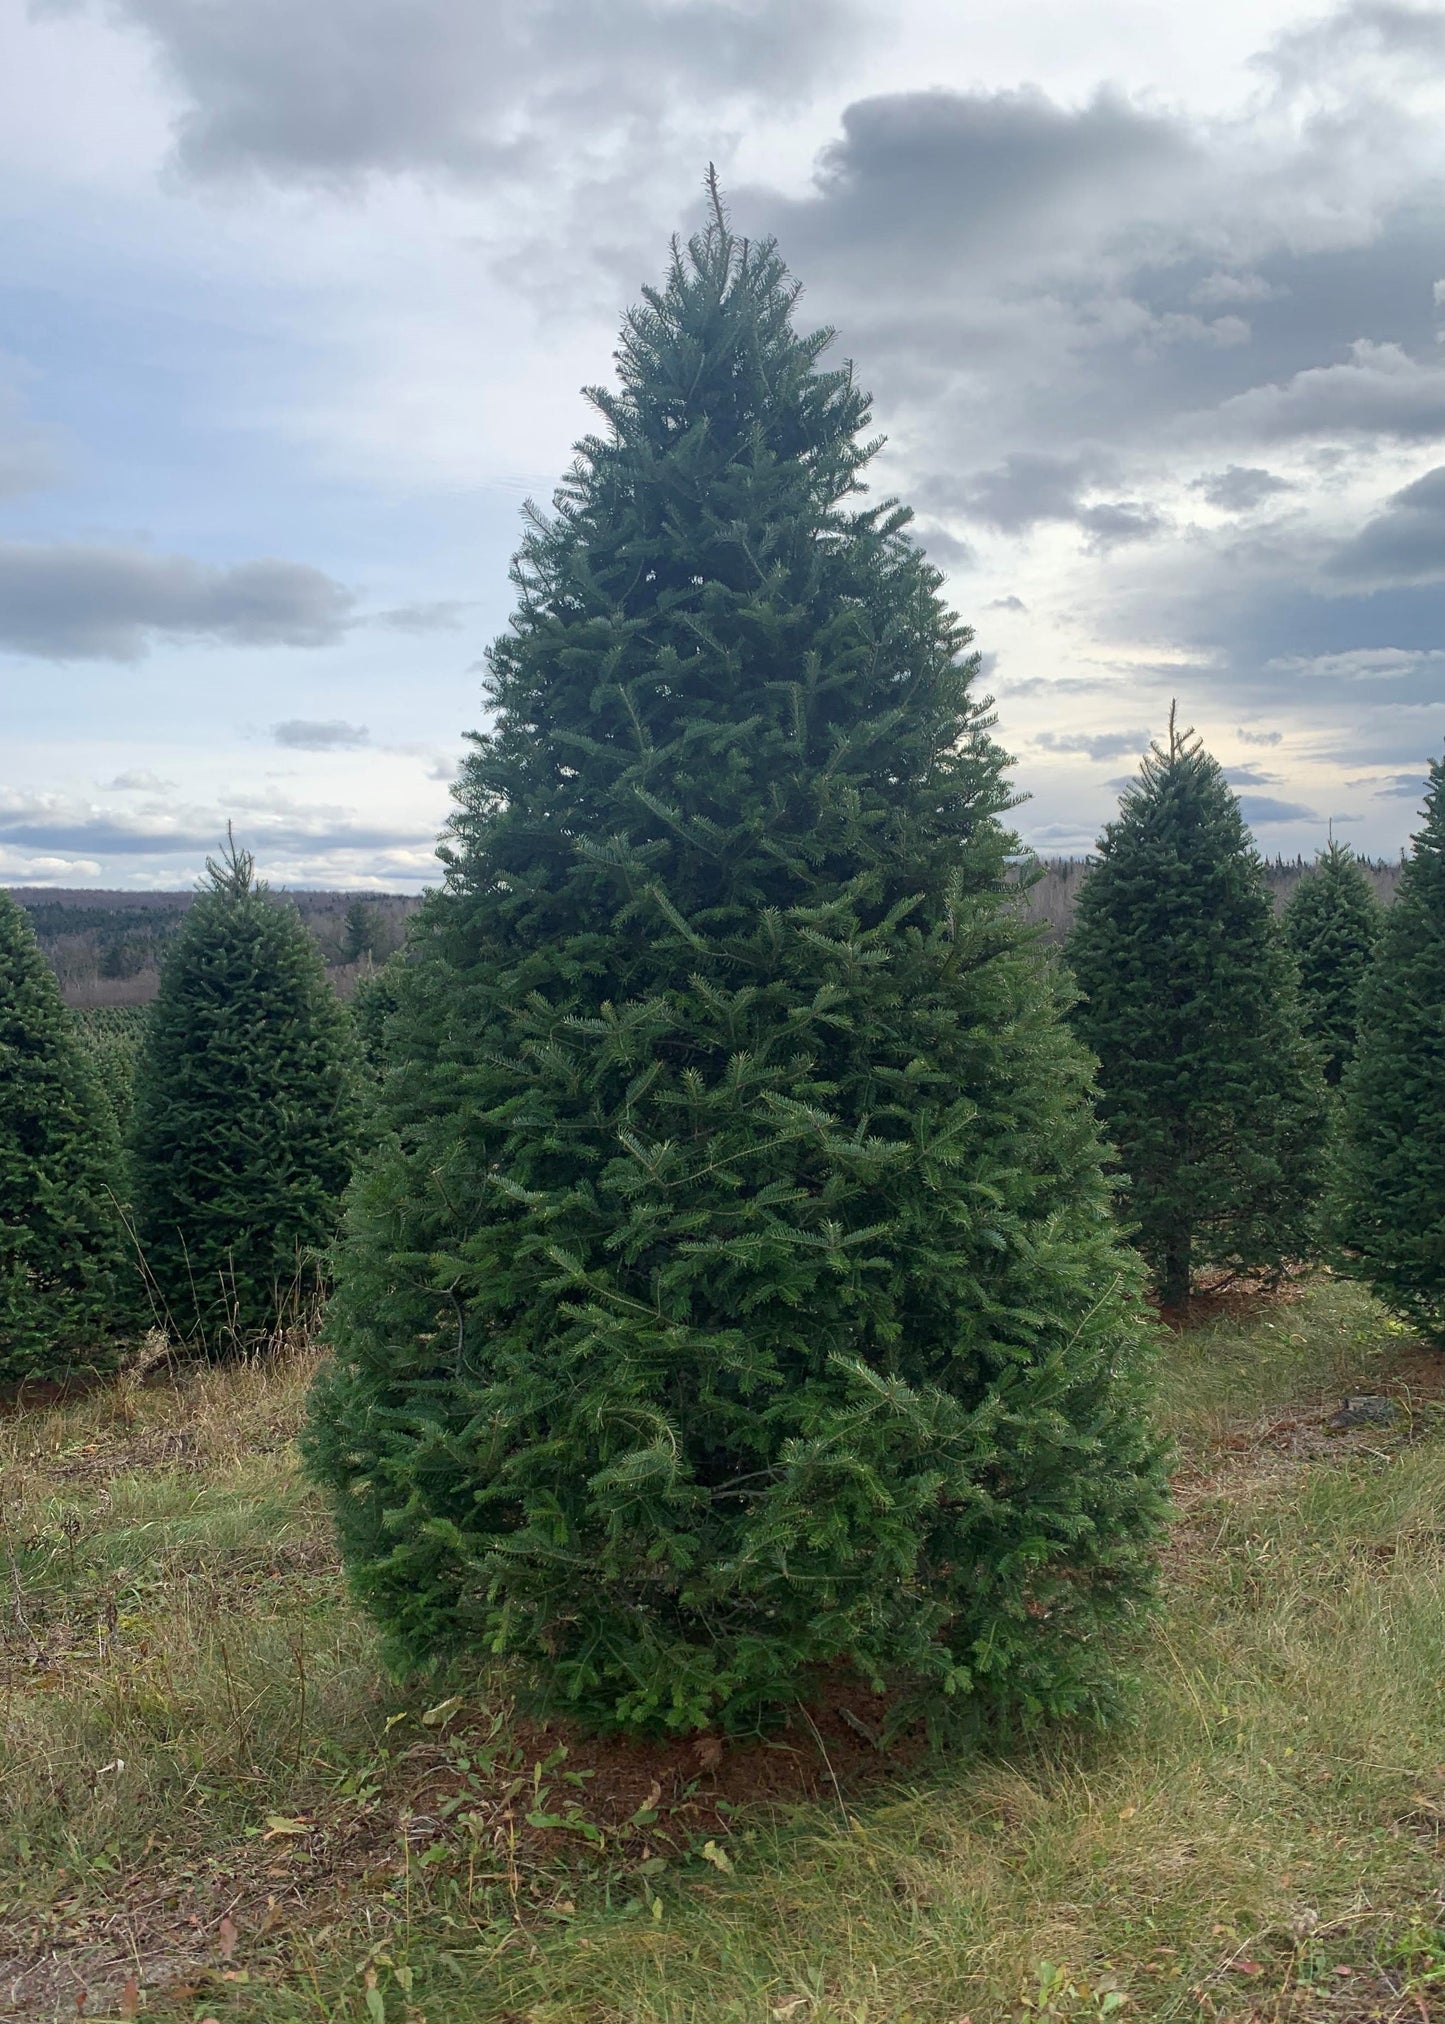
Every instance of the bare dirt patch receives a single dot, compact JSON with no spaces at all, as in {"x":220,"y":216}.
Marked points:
{"x":522,"y":1809}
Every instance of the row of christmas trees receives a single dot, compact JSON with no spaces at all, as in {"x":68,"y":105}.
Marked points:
{"x":731,"y":1294}
{"x":210,"y":1214}
{"x":1270,"y":1087}
{"x":1220,"y":1034}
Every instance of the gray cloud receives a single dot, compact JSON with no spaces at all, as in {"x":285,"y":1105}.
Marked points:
{"x":932,"y":174}
{"x":77,"y":601}
{"x":1240,"y":488}
{"x":944,"y":549}
{"x":307,"y":734}
{"x":1378,"y":29}
{"x":1262,"y":809}
{"x":1404,"y":544}
{"x":1380,"y":392}
{"x":1088,"y":311}
{"x":1250,"y":775}
{"x":1397,"y":786}
{"x":1113,"y":522}
{"x":1098,"y":316}
{"x":1094,"y":745}
{"x":1258,"y":737}
{"x":337,"y":90}
{"x":1032,"y":486}
{"x":1060,"y":688}
{"x":443,"y":615}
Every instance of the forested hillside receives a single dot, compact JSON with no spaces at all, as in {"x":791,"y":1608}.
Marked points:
{"x":1054,"y":897}
{"x":106,"y":947}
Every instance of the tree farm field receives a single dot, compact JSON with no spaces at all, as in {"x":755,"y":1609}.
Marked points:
{"x":216,"y":1803}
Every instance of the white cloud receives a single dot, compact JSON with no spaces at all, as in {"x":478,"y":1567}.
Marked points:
{"x":25,"y":868}
{"x":139,"y":780}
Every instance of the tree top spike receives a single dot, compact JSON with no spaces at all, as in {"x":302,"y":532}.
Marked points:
{"x":714,"y":197}
{"x":235,"y":873}
{"x":1178,"y":740}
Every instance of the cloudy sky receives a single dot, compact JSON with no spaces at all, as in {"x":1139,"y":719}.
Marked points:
{"x":296,"y":297}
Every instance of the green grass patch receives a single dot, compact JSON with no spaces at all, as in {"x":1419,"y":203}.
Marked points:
{"x":206,"y":1781}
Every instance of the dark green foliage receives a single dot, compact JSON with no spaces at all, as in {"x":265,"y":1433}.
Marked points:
{"x":111,"y":1037}
{"x":1390,"y":1206}
{"x":68,"y":1286}
{"x":364,"y":933}
{"x":244,"y":1116}
{"x":735,"y":1295}
{"x":1207,"y":1085}
{"x":1332,"y":924}
{"x":373,"y":1002}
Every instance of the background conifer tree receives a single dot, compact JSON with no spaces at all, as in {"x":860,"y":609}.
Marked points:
{"x":1211,"y":1093}
{"x":1332,"y":924}
{"x":1390,"y":1203}
{"x":373,"y":1002}
{"x":735,"y":1296}
{"x":68,"y":1283}
{"x":110,"y":1039}
{"x":363,"y":932}
{"x":244,"y":1115}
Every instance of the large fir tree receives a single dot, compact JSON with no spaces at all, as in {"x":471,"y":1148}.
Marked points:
{"x":1211,"y":1093}
{"x":734,"y":1296}
{"x":245,"y":1115}
{"x":69,"y":1289}
{"x":1390,"y":1206}
{"x":1332,"y":923}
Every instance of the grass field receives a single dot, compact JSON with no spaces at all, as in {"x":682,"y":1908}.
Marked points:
{"x":214,"y":1804}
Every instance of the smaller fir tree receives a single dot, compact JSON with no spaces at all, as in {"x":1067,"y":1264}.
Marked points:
{"x":1212,"y":1094}
{"x":1389,"y":1207}
{"x":68,"y":1287}
{"x":373,"y":1004}
{"x":245,"y":1115}
{"x":110,"y":1038}
{"x":1332,"y":924}
{"x":363,"y":934}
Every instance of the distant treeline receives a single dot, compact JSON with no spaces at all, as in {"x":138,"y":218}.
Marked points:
{"x":1053,"y":898}
{"x":107,"y":947}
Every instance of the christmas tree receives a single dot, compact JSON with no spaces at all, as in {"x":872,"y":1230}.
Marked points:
{"x":245,"y":1116}
{"x":69,"y":1289}
{"x":1390,"y":1205}
{"x":373,"y":1002}
{"x":1332,"y":924}
{"x":110,"y":1038}
{"x":734,"y":1299}
{"x":1207,"y":1085}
